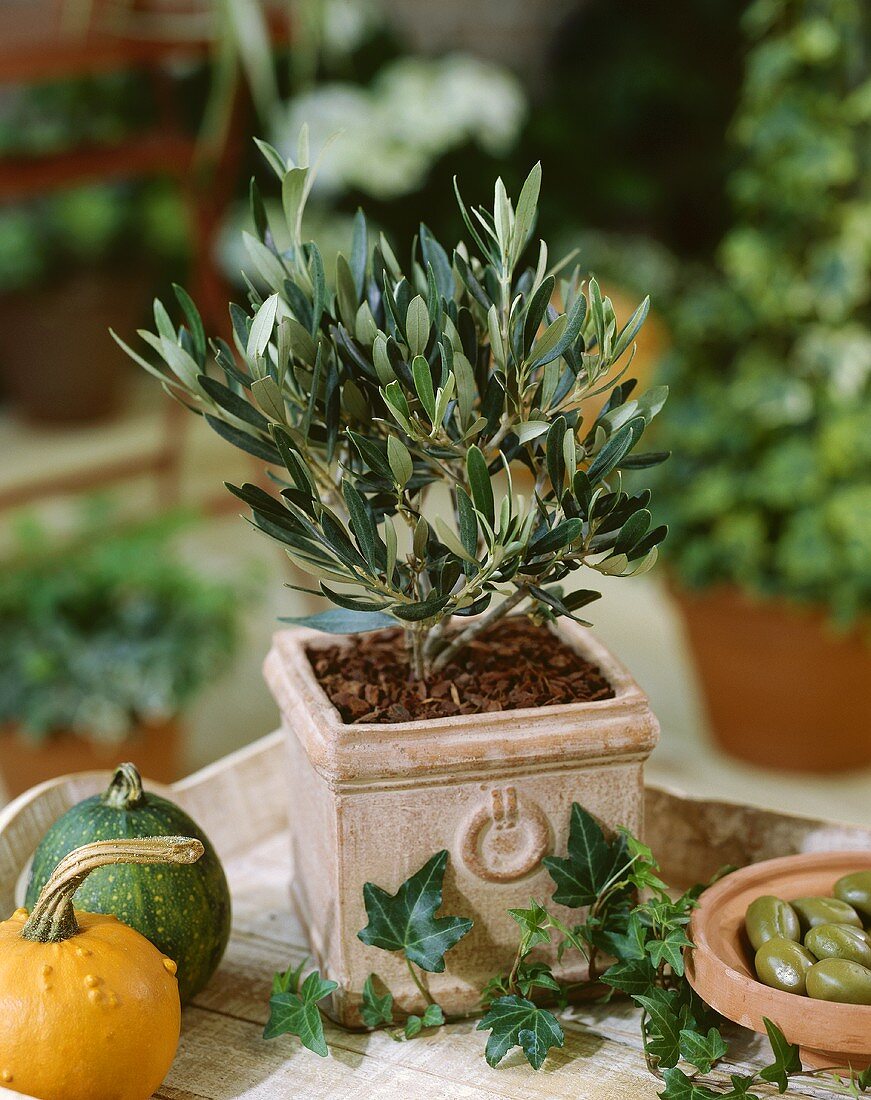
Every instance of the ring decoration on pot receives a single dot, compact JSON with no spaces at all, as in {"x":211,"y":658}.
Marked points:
{"x":506,"y":838}
{"x":91,"y":1009}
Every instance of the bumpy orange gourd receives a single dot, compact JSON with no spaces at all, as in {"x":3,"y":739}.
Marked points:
{"x":89,"y":1009}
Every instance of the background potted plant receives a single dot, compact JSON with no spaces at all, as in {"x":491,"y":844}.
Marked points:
{"x":73,"y":260}
{"x":395,"y":410}
{"x":769,"y":499}
{"x":106,"y":638}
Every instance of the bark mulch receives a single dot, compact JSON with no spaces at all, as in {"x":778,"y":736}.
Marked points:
{"x":516,"y":664}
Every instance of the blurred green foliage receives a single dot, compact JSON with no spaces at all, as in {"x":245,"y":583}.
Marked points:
{"x":46,"y":239}
{"x":636,"y":101}
{"x":770,"y":420}
{"x":40,"y":119}
{"x":105,"y":629}
{"x":43,"y":239}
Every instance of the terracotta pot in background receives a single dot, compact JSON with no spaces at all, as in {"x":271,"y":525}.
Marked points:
{"x":155,"y":750}
{"x":58,"y":362}
{"x":782,"y":689}
{"x":373,"y":802}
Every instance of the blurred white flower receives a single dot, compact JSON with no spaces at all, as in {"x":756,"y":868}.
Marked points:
{"x":347,"y":24}
{"x":840,"y":355}
{"x":415,"y":111}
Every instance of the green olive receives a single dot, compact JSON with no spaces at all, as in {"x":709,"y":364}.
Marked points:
{"x":814,"y":911}
{"x":839,"y":941}
{"x":769,"y":916}
{"x":840,"y":980}
{"x":783,"y":964}
{"x":855,"y":890}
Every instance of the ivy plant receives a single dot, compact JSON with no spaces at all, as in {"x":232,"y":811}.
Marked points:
{"x":771,"y":486}
{"x":632,"y":933}
{"x":469,"y":370}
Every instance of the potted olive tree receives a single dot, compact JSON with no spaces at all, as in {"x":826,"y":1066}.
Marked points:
{"x":400,"y":412}
{"x":769,"y":500}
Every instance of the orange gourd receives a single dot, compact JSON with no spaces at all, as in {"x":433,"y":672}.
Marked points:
{"x":89,"y":1009}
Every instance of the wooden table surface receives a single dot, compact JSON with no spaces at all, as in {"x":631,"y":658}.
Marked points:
{"x":223,"y":1055}
{"x":240,"y":802}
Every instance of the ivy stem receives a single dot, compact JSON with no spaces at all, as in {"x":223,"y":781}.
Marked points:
{"x":425,"y":993}
{"x":651,"y":1062}
{"x":512,"y":977}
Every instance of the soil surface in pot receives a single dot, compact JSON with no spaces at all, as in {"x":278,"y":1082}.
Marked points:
{"x":516,"y":664}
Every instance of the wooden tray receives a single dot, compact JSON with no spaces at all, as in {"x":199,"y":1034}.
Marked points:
{"x":240,"y":802}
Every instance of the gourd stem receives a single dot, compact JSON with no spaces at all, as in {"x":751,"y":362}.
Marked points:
{"x":53,"y":919}
{"x":125,"y":790}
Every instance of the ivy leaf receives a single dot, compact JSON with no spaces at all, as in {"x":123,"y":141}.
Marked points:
{"x":786,"y":1058}
{"x":634,"y":976}
{"x":628,"y":945}
{"x":288,"y":981}
{"x":670,"y":950}
{"x":433,"y":1017}
{"x":741,"y":1086}
{"x":536,"y":975}
{"x":533,"y":924}
{"x":376,"y":1008}
{"x":406,"y":921}
{"x":702,"y":1051}
{"x":581,"y":875}
{"x":680,"y":1087}
{"x":514,"y":1021}
{"x":413,"y":1026}
{"x":297,"y":1013}
{"x":664,"y":1025}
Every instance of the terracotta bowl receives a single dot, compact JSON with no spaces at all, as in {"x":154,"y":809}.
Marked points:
{"x":720,"y":969}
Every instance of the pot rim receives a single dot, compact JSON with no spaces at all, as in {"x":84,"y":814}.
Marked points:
{"x":554,"y":736}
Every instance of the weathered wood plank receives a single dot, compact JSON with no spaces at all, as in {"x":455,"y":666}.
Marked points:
{"x":602,"y":1057}
{"x":222,"y":1054}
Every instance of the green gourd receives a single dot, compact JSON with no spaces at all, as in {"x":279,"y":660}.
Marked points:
{"x":183,"y":910}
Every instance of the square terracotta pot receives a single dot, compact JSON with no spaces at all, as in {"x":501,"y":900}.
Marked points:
{"x":374,"y":802}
